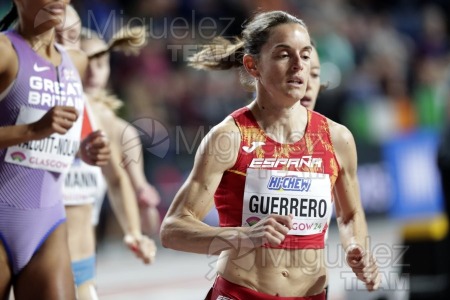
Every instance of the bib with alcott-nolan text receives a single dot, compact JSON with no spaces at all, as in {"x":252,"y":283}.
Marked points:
{"x":305,"y":196}
{"x":54,"y":153}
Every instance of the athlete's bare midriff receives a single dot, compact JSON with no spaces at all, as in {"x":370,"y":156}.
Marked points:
{"x":281,"y":272}
{"x":80,"y":231}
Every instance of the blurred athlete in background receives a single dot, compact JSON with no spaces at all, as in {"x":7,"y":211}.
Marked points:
{"x":85,"y":186}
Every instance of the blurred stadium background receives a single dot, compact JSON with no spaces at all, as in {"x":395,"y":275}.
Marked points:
{"x":388,"y":73}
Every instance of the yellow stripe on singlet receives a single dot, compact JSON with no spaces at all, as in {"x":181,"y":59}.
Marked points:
{"x":237,"y":172}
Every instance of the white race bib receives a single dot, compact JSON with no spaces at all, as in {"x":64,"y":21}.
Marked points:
{"x":54,"y":153}
{"x":307,"y":196}
{"x":83,"y":184}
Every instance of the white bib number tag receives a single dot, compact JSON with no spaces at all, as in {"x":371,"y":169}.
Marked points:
{"x":82,"y":183}
{"x":306,"y":196}
{"x":54,"y":153}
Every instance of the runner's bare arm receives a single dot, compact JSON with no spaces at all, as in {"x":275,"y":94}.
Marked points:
{"x":349,"y":211}
{"x":125,"y":131}
{"x":120,"y":190}
{"x":8,"y":64}
{"x":147,"y":196}
{"x":121,"y":194}
{"x":14,"y":135}
{"x":182,"y":228}
{"x":59,"y":119}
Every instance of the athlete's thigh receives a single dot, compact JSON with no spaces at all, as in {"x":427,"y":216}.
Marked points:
{"x":48,"y":275}
{"x":5,"y":273}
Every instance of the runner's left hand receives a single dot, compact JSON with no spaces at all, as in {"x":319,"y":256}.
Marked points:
{"x":364,"y":265}
{"x":142,"y":246}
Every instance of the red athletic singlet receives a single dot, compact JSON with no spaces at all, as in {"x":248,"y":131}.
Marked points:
{"x":269,"y":177}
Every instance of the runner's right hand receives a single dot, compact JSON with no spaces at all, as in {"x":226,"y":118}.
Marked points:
{"x":271,"y":229}
{"x":59,"y":119}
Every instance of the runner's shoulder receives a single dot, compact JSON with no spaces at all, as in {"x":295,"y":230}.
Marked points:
{"x":7,"y":53}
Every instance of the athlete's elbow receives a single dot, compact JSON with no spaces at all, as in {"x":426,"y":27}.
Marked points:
{"x":168,"y":233}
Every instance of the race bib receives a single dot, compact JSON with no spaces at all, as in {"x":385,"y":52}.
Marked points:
{"x":54,"y":153}
{"x":83,"y":184}
{"x":306,"y":196}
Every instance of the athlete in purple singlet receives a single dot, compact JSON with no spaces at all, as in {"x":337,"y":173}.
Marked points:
{"x":41,"y":106}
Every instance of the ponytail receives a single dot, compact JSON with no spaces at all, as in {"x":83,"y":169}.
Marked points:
{"x":128,"y":40}
{"x":10,"y":18}
{"x":222,"y":54}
